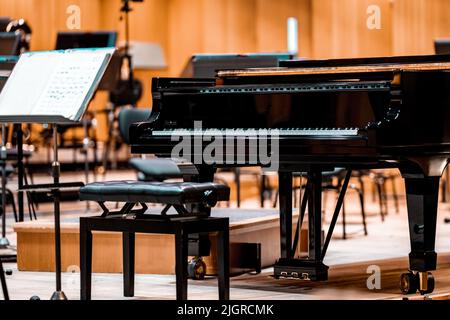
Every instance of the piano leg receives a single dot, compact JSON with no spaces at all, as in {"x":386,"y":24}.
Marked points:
{"x":315,"y":214}
{"x":285,"y":194}
{"x":288,"y":266}
{"x":422,"y":201}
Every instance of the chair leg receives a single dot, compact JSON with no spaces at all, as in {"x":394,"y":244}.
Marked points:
{"x":275,"y":201}
{"x":237,"y":179}
{"x":385,"y":198}
{"x":380,"y":198}
{"x":262,"y":190}
{"x":344,"y":231}
{"x":128,"y":240}
{"x":85,"y":260}
{"x":363,"y":211}
{"x":223,"y":263}
{"x":395,"y":195}
{"x":3,"y":281}
{"x":181,"y":264}
{"x":13,"y":203}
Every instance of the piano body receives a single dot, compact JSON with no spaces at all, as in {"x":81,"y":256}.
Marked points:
{"x":352,"y":113}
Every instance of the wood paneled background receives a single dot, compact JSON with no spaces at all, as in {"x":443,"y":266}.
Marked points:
{"x":327,"y":28}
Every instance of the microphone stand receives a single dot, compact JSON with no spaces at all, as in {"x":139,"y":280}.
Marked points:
{"x":126,"y":9}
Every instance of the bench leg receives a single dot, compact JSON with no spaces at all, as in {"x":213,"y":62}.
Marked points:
{"x":181,"y":265}
{"x":128,"y":243}
{"x":85,"y":260}
{"x":223,"y":264}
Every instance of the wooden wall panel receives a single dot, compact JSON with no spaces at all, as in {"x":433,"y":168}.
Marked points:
{"x":185,"y":32}
{"x":339,"y":29}
{"x":272,"y":24}
{"x":241,"y":26}
{"x":47,"y":17}
{"x":417,"y":23}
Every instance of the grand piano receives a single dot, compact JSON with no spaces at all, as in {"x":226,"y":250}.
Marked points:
{"x":314,"y":116}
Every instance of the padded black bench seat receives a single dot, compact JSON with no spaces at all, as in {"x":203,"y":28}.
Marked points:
{"x":172,"y":193}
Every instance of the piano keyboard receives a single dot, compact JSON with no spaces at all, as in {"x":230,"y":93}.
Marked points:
{"x":319,"y":132}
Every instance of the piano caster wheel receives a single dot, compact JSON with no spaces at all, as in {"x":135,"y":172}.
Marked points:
{"x":35,"y":298}
{"x":430,"y":284}
{"x":410,"y":283}
{"x":8,"y":272}
{"x":197,"y":269}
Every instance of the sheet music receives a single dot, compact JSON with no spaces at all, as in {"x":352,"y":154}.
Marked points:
{"x":53,"y":83}
{"x":69,"y":85}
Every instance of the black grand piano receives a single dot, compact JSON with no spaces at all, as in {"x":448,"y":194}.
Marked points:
{"x":316,"y":116}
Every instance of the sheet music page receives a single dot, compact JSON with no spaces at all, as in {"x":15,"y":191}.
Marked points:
{"x":53,"y":83}
{"x":26,"y":83}
{"x":69,"y":84}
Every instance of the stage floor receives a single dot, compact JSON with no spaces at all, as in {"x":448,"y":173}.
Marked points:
{"x":386,"y":246}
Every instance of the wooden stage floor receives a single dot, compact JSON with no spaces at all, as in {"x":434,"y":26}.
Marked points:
{"x":386,"y":246}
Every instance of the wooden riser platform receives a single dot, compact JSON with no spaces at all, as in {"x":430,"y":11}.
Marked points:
{"x":154,"y":253}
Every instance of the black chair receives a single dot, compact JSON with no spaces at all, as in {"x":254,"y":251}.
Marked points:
{"x":329,"y":184}
{"x":148,"y":169}
{"x":380,"y":180}
{"x":129,"y":221}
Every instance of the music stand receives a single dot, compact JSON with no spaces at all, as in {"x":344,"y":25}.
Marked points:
{"x":9,"y":43}
{"x":80,"y":71}
{"x":4,"y":22}
{"x":6,"y":65}
{"x":442,"y":46}
{"x":206,"y":65}
{"x":73,"y":40}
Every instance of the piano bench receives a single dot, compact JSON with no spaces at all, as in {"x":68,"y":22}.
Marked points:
{"x":183,"y":224}
{"x":176,"y":194}
{"x":181,"y":227}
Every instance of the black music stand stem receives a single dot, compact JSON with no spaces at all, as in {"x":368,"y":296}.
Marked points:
{"x":4,"y":242}
{"x":56,"y":173}
{"x":54,"y":189}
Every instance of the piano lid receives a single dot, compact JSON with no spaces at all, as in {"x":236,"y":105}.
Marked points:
{"x":365,"y":61}
{"x":345,"y":66}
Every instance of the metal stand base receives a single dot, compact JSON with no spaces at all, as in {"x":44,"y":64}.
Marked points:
{"x":4,"y":243}
{"x":58,"y":295}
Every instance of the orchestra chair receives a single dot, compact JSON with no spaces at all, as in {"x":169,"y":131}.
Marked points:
{"x":332,"y":180}
{"x":123,"y":96}
{"x":380,"y":179}
{"x":148,"y":169}
{"x":129,"y":221}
